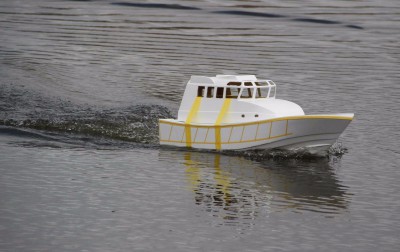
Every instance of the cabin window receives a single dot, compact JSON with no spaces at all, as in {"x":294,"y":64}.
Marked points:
{"x":261,"y":83}
{"x":233,"y":92}
{"x":272,"y":92}
{"x":220,"y":92}
{"x":262,"y":91}
{"x":210,"y":92}
{"x":200,"y":91}
{"x":247,"y":92}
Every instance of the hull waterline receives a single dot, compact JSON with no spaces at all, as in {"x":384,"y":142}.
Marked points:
{"x":293,"y":132}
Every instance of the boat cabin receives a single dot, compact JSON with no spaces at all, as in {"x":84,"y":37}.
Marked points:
{"x":232,"y":99}
{"x":238,"y":90}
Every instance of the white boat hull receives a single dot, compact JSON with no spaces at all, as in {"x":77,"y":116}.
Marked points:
{"x":293,"y":132}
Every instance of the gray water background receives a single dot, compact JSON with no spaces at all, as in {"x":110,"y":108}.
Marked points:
{"x":83,"y":83}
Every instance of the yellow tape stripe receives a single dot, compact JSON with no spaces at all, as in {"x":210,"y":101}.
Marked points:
{"x":263,"y":121}
{"x":217,"y":138}
{"x":193,"y":110}
{"x":231,"y":142}
{"x":221,"y":115}
{"x":192,"y":114}
{"x":188,"y":136}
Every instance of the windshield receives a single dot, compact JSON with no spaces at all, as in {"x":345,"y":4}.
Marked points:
{"x":262,"y":92}
{"x":261,"y":83}
{"x":272,"y":92}
{"x":233,"y":92}
{"x":247,"y":92}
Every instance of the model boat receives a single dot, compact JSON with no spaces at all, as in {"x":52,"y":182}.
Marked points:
{"x":238,"y":112}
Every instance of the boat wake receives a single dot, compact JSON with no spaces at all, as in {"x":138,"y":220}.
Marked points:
{"x":41,"y":133}
{"x":137,"y":123}
{"x":34,"y":120}
{"x":337,"y":150}
{"x":24,"y":108}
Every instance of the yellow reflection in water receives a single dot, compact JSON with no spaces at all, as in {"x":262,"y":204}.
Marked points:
{"x":192,"y":171}
{"x":237,"y":190}
{"x":221,"y":179}
{"x":194,"y":176}
{"x":214,"y":188}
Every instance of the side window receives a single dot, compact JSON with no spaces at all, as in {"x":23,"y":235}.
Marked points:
{"x":272,"y":92}
{"x":233,"y":89}
{"x":200,"y":91}
{"x":262,"y":91}
{"x":220,"y":92}
{"x":247,"y":92}
{"x":210,"y":92}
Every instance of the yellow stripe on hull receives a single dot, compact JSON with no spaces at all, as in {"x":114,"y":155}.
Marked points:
{"x":192,"y":114}
{"x":263,"y":121}
{"x":222,"y":113}
{"x":246,"y":135}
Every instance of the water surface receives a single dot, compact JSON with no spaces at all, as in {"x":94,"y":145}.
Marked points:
{"x":83,"y":83}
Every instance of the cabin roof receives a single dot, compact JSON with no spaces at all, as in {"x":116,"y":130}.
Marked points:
{"x":220,"y":80}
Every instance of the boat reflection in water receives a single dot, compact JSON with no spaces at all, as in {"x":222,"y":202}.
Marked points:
{"x":237,"y":190}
